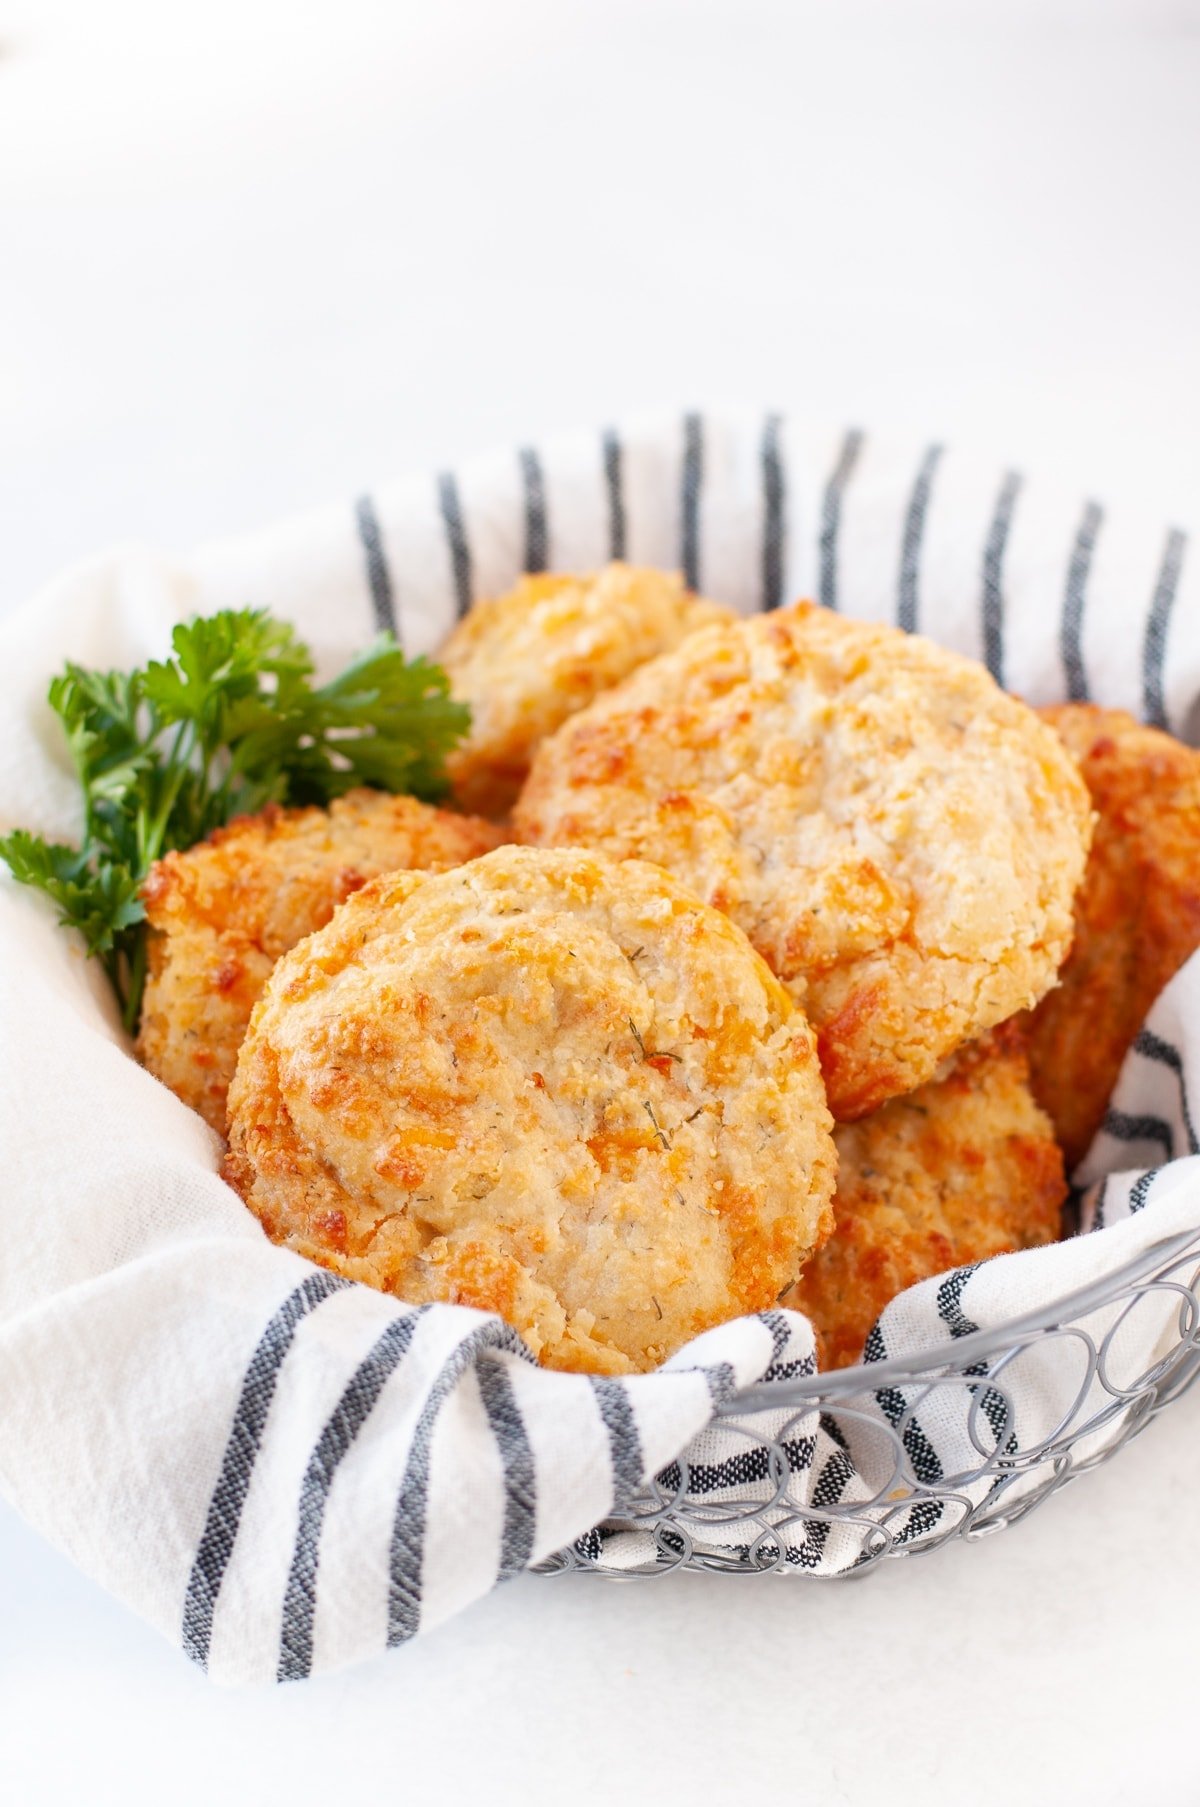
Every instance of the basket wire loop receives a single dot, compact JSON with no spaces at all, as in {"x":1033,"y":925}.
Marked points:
{"x":903,"y":1504}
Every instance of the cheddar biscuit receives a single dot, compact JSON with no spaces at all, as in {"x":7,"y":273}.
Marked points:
{"x":1137,"y":912}
{"x":527,"y":660}
{"x":223,"y":912}
{"x":543,"y":1084}
{"x":965,"y":1168}
{"x":899,"y":839}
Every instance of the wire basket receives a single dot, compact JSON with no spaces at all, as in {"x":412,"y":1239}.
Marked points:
{"x":907,"y":1512}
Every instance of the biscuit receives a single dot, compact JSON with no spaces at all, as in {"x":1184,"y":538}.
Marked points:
{"x":1137,"y":912}
{"x":544,"y":1085}
{"x":961,"y":1170}
{"x":899,"y":839}
{"x":222,"y":913}
{"x":527,"y":660}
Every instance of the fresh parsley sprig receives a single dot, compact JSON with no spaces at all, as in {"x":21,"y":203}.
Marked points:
{"x":231,"y":722}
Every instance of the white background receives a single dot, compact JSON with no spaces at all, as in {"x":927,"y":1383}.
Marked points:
{"x":257,"y":255}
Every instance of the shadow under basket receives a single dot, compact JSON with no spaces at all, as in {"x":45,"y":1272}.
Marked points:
{"x":900,"y":1506}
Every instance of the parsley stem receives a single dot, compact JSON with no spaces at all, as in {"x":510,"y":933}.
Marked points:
{"x":151,"y":840}
{"x":131,"y":1008}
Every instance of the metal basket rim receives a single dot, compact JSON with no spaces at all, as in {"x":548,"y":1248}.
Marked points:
{"x":867,"y":1377}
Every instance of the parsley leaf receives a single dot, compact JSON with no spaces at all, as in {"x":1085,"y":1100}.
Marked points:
{"x":230,"y":722}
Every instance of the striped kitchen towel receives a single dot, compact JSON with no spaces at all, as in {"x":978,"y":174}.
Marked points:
{"x":285,"y":1472}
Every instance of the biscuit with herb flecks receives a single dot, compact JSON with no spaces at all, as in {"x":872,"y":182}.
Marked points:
{"x":545,"y":1085}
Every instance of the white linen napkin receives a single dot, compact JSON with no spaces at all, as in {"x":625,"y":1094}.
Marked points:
{"x":284,"y":1472}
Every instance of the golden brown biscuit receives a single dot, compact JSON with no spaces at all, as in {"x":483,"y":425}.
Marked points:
{"x":898,"y":838}
{"x":1137,"y":912}
{"x":965,"y":1168}
{"x":527,"y":660}
{"x":544,"y":1085}
{"x":224,"y":912}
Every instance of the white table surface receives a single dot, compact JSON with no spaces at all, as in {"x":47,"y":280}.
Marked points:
{"x":256,"y":255}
